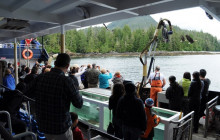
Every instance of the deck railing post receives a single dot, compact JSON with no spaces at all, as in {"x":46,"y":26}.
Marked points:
{"x":8,"y":120}
{"x":191,"y":128}
{"x":101,"y":117}
{"x":19,"y":52}
{"x":206,"y":120}
{"x":29,"y":114}
{"x":209,"y":105}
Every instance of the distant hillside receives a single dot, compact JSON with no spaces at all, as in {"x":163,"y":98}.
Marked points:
{"x":140,"y":22}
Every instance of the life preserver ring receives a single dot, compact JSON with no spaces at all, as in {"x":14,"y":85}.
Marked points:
{"x":30,"y":52}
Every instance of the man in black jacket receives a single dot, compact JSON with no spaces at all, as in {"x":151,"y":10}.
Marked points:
{"x":130,"y":110}
{"x":205,"y":92}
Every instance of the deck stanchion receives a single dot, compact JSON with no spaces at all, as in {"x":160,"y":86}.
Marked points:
{"x":28,"y":64}
{"x":62,"y":39}
{"x":19,"y":52}
{"x":16,"y":61}
{"x":191,"y":128}
{"x":206,"y":120}
{"x":209,"y":105}
{"x":29,"y":114}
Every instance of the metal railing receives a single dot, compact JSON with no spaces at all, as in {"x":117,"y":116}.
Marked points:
{"x":8,"y":120}
{"x":10,"y":128}
{"x":11,"y":45}
{"x":101,"y":134}
{"x":100,"y":106}
{"x":183,"y":131}
{"x":25,"y":134}
{"x":209,"y":105}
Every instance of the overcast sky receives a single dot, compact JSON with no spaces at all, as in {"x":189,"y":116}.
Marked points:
{"x":192,"y":19}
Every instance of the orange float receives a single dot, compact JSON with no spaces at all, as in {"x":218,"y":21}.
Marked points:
{"x":24,"y":55}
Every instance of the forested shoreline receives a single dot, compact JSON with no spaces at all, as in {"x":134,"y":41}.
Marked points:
{"x":137,"y":54}
{"x":124,"y":40}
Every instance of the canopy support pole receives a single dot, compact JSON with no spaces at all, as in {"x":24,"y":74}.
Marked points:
{"x":16,"y":61}
{"x":145,"y":68}
{"x":62,"y":39}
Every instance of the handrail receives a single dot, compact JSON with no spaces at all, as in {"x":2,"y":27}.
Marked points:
{"x":185,"y":122}
{"x":10,"y":128}
{"x":106,"y":135}
{"x":101,"y":105}
{"x":186,"y":116}
{"x":25,"y":134}
{"x":208,"y":106}
{"x":191,"y":124}
{"x":11,"y":45}
{"x":19,"y":93}
{"x":8,"y":119}
{"x":212,"y":100}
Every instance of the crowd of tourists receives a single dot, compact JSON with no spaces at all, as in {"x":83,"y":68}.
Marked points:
{"x":54,"y":88}
{"x":189,"y":95}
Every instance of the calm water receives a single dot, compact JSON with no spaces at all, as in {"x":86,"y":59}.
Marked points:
{"x":131,"y":68}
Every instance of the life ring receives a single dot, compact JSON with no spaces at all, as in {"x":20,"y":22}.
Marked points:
{"x":30,"y":52}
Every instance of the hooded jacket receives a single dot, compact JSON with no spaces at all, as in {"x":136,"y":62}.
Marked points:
{"x":174,"y":94}
{"x":130,"y":109}
{"x":185,"y":83}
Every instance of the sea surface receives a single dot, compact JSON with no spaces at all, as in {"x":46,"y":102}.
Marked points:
{"x":131,"y":67}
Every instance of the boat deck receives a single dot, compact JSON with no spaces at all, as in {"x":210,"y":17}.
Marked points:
{"x":211,"y":135}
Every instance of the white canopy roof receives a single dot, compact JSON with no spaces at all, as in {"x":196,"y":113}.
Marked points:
{"x":31,"y":18}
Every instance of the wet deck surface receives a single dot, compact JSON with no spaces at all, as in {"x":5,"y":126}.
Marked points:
{"x":212,"y":132}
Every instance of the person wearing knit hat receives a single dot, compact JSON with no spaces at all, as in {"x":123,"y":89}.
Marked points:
{"x":117,"y":78}
{"x":149,"y":102}
{"x":130,"y":111}
{"x":152,"y":120}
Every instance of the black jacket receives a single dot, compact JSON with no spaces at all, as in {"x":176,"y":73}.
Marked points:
{"x":205,"y":91}
{"x":195,"y":90}
{"x":113,"y":102}
{"x":29,"y":78}
{"x":76,"y":83}
{"x":130,"y":111}
{"x":174,"y":94}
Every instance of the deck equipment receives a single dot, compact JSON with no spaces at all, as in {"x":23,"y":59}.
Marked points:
{"x":150,"y":49}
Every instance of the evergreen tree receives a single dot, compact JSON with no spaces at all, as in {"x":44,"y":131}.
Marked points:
{"x":100,"y":40}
